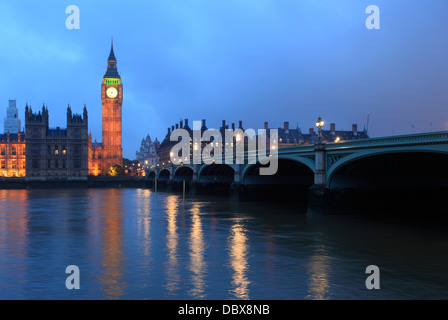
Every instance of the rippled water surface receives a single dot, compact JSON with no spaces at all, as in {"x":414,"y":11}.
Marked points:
{"x":132,"y":244}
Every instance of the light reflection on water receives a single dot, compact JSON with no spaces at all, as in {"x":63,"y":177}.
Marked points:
{"x":318,"y":270}
{"x":172,"y":241}
{"x":198,"y":265}
{"x":13,"y":241}
{"x":238,"y":251}
{"x":111,"y":279}
{"x":131,"y":244}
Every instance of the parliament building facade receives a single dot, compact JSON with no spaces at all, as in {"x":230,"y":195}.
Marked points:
{"x":40,"y":152}
{"x":56,"y":153}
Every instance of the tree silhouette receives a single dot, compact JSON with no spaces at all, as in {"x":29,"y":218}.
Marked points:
{"x":115,"y":171}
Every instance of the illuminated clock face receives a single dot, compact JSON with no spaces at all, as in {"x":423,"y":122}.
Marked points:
{"x":112,"y":92}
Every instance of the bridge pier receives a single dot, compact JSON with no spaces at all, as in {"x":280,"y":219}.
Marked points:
{"x":237,"y":175}
{"x":194,"y":186}
{"x":195,"y":173}
{"x":318,"y":191}
{"x":319,"y":174}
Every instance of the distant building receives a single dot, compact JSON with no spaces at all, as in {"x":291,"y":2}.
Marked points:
{"x":288,"y":136}
{"x":12,"y":122}
{"x":12,"y":145}
{"x":164,"y":152}
{"x":147,"y":156}
{"x":56,"y":153}
{"x":12,"y":155}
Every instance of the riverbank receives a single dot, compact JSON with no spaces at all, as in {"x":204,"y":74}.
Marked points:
{"x":90,"y":182}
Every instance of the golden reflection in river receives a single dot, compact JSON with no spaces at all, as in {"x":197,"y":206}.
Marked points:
{"x":112,"y":279}
{"x":144,"y":221}
{"x":318,"y":269}
{"x":238,"y":255}
{"x":172,"y":243}
{"x":14,"y":232}
{"x":197,"y":249}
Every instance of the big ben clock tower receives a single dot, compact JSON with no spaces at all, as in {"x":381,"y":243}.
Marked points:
{"x":111,"y":99}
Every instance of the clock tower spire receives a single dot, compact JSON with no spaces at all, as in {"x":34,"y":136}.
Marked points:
{"x":112,"y":99}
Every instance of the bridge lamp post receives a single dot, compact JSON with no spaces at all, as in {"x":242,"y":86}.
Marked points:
{"x":319,"y":125}
{"x":319,"y":162}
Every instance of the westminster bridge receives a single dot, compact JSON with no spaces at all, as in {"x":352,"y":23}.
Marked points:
{"x":395,"y":162}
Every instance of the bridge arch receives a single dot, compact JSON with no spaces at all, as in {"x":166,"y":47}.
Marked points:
{"x":164,"y":174}
{"x":217,"y":173}
{"x":151,"y":175}
{"x":291,"y":170}
{"x":407,"y":167}
{"x":183,"y":173}
{"x":302,"y":160}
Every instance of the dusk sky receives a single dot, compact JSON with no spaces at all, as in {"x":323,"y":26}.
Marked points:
{"x":249,"y":60}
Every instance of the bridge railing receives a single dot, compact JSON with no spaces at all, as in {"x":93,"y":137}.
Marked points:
{"x":420,"y":138}
{"x":248,"y":157}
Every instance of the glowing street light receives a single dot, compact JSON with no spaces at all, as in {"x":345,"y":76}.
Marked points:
{"x":319,"y":125}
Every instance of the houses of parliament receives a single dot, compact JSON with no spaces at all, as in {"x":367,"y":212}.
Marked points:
{"x":42,"y":153}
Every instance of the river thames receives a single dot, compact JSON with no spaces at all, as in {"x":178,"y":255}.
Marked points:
{"x":134,"y":244}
